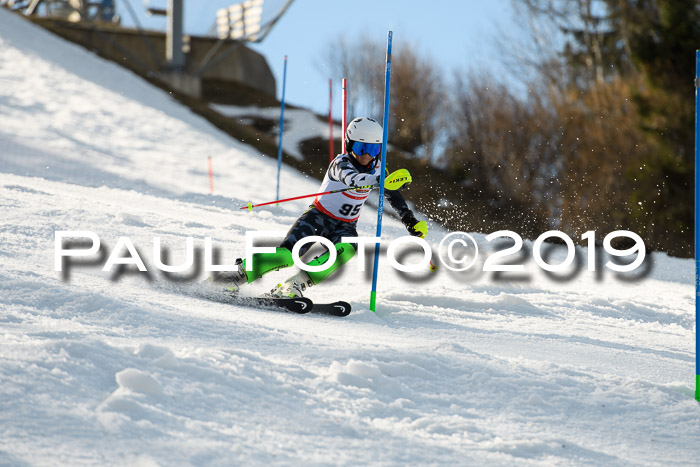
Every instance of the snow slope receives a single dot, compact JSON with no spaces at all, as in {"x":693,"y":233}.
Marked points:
{"x":453,"y":369}
{"x":300,"y":124}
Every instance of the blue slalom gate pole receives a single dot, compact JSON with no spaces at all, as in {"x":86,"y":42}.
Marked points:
{"x":380,"y":209}
{"x":279,"y":149}
{"x":697,"y":224}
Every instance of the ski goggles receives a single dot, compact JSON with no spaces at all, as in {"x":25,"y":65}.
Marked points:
{"x":360,"y":148}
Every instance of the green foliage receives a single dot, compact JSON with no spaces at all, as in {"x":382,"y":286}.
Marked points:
{"x":662,"y":37}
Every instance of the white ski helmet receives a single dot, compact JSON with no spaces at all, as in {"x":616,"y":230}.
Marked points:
{"x":365,"y":130}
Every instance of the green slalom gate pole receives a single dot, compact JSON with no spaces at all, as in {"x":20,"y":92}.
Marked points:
{"x":380,"y":208}
{"x":697,"y":224}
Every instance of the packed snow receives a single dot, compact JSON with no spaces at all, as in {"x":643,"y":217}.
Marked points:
{"x":129,"y":368}
{"x":300,"y":124}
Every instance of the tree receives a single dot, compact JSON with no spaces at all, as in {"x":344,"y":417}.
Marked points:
{"x":416,"y":91}
{"x":501,"y":145}
{"x":626,"y":86}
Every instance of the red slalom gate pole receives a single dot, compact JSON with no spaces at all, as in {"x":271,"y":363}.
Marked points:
{"x":344,"y":121}
{"x":330,"y":117}
{"x":211,"y":176}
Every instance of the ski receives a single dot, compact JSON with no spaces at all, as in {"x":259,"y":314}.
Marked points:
{"x":339,"y":309}
{"x":298,"y":305}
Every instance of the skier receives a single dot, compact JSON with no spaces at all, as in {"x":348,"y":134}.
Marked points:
{"x":332,"y":216}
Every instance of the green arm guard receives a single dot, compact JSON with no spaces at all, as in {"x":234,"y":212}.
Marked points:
{"x":397,"y":179}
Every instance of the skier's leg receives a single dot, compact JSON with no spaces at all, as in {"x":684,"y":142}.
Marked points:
{"x":262,"y":264}
{"x":310,"y":223}
{"x":267,"y":262}
{"x":301,"y":281}
{"x":344,"y":251}
{"x":298,"y":283}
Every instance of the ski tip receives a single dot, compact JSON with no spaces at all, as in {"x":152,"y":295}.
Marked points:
{"x":342,"y":309}
{"x":339,"y":309}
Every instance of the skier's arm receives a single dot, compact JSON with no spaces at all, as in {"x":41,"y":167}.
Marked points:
{"x":342,"y":170}
{"x":415,"y":228}
{"x":397,"y":201}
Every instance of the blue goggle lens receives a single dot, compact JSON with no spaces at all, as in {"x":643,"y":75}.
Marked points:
{"x":373,"y":149}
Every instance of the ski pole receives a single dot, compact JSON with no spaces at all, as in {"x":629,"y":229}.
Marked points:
{"x":394,"y":181}
{"x":250,"y":206}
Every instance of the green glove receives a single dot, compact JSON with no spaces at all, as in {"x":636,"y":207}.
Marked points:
{"x":415,"y":228}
